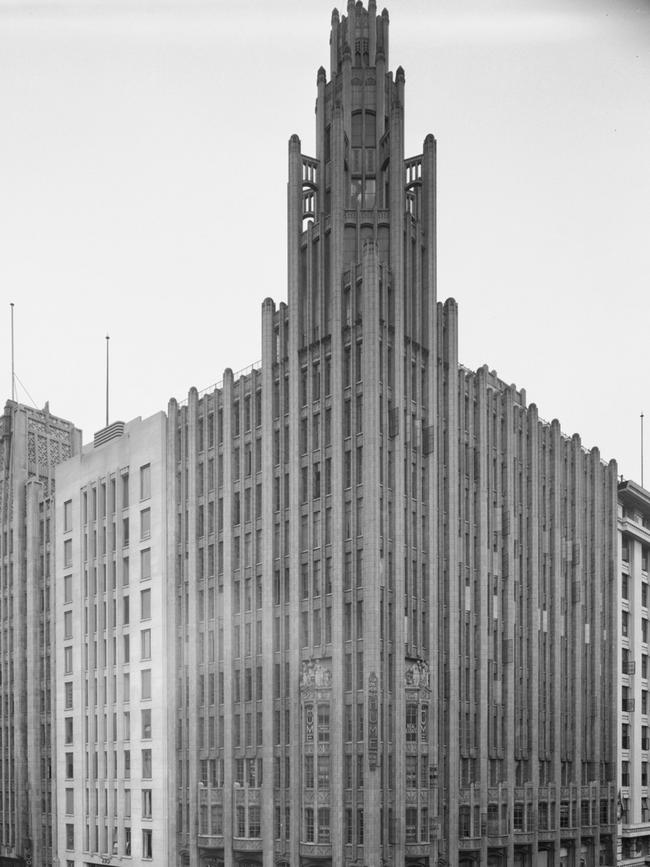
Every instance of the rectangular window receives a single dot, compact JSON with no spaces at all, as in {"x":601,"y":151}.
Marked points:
{"x":67,"y":516}
{"x":146,"y":764}
{"x":145,"y":523}
{"x":145,"y":482}
{"x":411,"y":722}
{"x":411,"y":772}
{"x":146,"y":804}
{"x":145,"y":564}
{"x":323,"y":824}
{"x":625,"y":736}
{"x":67,"y":624}
{"x":309,"y":824}
{"x":69,"y":766}
{"x":145,"y":683}
{"x":145,"y":644}
{"x":67,"y":659}
{"x":67,"y":589}
{"x":147,"y":843}
{"x":411,"y":824}
{"x":145,"y":605}
{"x":68,"y":695}
{"x":67,"y":553}
{"x":69,"y":837}
{"x":625,"y":773}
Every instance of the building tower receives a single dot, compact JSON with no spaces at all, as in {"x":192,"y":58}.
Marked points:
{"x":391,"y":582}
{"x":32,"y":443}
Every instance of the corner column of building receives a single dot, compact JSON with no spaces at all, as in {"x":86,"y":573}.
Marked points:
{"x":228,"y":776}
{"x":554,"y":477}
{"x":371,"y":547}
{"x":599,"y":580}
{"x":580,"y":621}
{"x":397,"y":207}
{"x":33,"y":494}
{"x":18,"y":748}
{"x":530,"y":497}
{"x":433,"y":475}
{"x":451,"y":592}
{"x":268,"y":314}
{"x":610,"y":623}
{"x":509,"y":577}
{"x":295,"y":339}
{"x":338,"y":692}
{"x":172,"y":622}
{"x":484,"y":569}
{"x":192,"y":661}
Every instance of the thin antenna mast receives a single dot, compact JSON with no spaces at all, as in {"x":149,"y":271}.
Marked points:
{"x":641,"y":449}
{"x":13,"y":372}
{"x":107,"y":342}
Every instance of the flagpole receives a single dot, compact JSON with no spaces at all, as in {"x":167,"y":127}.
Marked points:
{"x":13,"y":373}
{"x":107,"y":342}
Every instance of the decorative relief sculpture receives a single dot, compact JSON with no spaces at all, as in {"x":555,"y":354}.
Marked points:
{"x":314,"y":674}
{"x":373,"y":728}
{"x":416,"y":675}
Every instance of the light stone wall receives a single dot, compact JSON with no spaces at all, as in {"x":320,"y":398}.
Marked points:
{"x":142,"y":443}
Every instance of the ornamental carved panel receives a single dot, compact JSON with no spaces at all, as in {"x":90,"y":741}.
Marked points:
{"x":416,"y":675}
{"x":373,"y":721}
{"x":315,"y":675}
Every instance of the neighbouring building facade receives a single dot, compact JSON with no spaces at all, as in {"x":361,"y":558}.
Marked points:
{"x":32,"y":443}
{"x":395,"y":617}
{"x":633,"y":743}
{"x":112,"y":749}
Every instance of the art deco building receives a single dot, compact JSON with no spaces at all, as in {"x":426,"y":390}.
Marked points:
{"x":111,"y":648}
{"x":393,"y":595}
{"x":634,"y":535}
{"x":32,"y":443}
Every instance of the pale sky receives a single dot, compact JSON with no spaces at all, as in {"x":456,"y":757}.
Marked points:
{"x":143,"y":161}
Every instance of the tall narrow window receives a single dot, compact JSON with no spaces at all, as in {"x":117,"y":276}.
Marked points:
{"x":145,"y":604}
{"x":145,"y":482}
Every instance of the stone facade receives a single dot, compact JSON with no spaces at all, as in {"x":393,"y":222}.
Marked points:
{"x":395,"y":617}
{"x":356,"y":605}
{"x":633,"y":742}
{"x":32,"y":443}
{"x":111,"y":639}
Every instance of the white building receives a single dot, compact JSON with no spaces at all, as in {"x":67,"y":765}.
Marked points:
{"x":634,"y":535}
{"x":111,"y":647}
